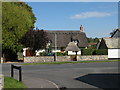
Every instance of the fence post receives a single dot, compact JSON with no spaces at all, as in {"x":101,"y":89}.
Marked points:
{"x":12,"y":73}
{"x":54,"y":57}
{"x":20,"y":74}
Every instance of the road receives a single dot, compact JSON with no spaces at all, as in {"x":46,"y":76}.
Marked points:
{"x":82,"y":75}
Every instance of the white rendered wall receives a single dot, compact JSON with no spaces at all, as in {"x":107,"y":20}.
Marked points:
{"x":74,"y":53}
{"x":39,"y":51}
{"x":24,"y":51}
{"x":54,"y":51}
{"x":113,"y":53}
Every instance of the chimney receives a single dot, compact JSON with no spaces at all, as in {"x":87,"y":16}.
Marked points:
{"x":81,"y":28}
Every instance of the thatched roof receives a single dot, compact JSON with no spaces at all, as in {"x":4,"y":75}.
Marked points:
{"x":64,"y":37}
{"x":72,"y":47}
{"x":112,"y":42}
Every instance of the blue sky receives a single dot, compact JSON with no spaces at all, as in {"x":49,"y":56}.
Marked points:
{"x":98,"y":19}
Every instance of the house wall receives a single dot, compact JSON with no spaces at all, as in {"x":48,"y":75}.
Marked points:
{"x":31,"y":59}
{"x":40,"y":51}
{"x":74,"y":53}
{"x":113,"y":53}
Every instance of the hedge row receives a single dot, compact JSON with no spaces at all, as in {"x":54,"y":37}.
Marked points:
{"x":52,"y":54}
{"x":94,"y":51}
{"x":83,"y":52}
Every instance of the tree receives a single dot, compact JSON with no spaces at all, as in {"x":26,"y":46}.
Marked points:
{"x":17,"y":19}
{"x":111,"y":33}
{"x":35,"y":39}
{"x":93,"y":40}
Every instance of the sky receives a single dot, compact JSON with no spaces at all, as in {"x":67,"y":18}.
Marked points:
{"x":98,"y":18}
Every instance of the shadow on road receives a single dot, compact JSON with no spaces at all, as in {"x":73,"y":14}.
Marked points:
{"x":101,"y":80}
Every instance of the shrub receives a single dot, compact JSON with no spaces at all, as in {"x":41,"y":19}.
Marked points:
{"x":101,"y":52}
{"x":42,"y":54}
{"x":61,"y":54}
{"x":87,"y":51}
{"x":65,"y":53}
{"x":94,"y":51}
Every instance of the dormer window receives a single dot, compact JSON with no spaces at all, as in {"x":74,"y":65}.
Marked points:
{"x":75,"y":41}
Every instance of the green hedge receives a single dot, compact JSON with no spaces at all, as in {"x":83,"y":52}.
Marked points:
{"x":52,"y":54}
{"x":101,"y":52}
{"x":94,"y":51}
{"x":87,"y":51}
{"x":61,"y":54}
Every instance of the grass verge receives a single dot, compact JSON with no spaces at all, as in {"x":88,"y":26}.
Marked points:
{"x":72,"y":62}
{"x":12,"y":83}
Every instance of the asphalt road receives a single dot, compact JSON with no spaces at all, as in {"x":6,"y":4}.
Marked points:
{"x":82,"y":75}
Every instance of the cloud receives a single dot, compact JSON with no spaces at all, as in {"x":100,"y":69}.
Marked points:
{"x":85,"y":15}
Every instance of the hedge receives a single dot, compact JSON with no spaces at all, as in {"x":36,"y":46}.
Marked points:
{"x":61,"y":54}
{"x":94,"y":51}
{"x":52,"y":54}
{"x":101,"y":52}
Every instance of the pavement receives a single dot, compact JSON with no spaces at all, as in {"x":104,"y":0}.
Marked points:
{"x":39,"y":83}
{"x":1,"y":81}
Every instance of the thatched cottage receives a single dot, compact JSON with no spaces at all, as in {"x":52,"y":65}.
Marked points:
{"x":59,"y":39}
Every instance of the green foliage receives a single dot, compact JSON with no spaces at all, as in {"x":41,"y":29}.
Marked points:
{"x":94,"y":52}
{"x":42,"y":54}
{"x":101,"y":52}
{"x":17,"y":19}
{"x":51,"y":54}
{"x":35,"y":39}
{"x":62,"y":54}
{"x":12,"y":83}
{"x":87,"y":51}
{"x":93,"y":40}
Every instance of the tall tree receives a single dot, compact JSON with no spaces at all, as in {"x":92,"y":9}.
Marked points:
{"x":35,"y":39}
{"x":17,"y":19}
{"x":111,"y":33}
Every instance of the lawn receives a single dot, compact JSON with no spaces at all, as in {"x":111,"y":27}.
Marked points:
{"x":12,"y":83}
{"x":72,"y":62}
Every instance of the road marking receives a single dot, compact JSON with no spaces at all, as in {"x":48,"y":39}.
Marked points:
{"x":53,"y":84}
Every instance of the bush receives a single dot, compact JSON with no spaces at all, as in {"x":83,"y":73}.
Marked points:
{"x":42,"y":54}
{"x":94,"y":52}
{"x":87,"y":51}
{"x":101,"y":52}
{"x":61,"y":54}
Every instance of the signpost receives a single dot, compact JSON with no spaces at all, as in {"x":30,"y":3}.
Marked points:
{"x":18,"y":68}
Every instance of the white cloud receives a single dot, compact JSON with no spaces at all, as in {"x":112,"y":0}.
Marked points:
{"x":85,"y":15}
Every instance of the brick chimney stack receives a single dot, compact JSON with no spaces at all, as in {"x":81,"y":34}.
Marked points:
{"x":81,"y":28}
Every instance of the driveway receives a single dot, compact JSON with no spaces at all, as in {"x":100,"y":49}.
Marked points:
{"x":82,"y":75}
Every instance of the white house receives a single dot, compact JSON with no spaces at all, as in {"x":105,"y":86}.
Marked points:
{"x":73,"y":49}
{"x":113,"y":46}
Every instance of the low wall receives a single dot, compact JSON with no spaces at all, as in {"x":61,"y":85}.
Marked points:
{"x":39,"y":59}
{"x":63,"y":58}
{"x":93,"y":57}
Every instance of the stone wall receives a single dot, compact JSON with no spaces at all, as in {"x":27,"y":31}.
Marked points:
{"x":39,"y":59}
{"x":63,"y":58}
{"x":93,"y":57}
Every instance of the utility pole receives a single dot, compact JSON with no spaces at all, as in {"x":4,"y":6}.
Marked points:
{"x":55,"y":47}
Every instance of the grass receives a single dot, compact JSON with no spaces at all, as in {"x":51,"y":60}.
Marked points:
{"x":12,"y":83}
{"x":72,"y":62}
